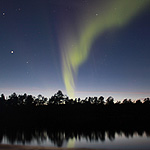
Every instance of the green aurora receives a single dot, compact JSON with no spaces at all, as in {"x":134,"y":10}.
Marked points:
{"x":77,"y":40}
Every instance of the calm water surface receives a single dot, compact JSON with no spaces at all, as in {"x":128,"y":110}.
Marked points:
{"x":86,"y":139}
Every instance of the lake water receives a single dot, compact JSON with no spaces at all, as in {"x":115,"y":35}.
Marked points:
{"x":78,"y":139}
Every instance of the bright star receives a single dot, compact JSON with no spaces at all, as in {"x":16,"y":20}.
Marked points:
{"x":12,"y":51}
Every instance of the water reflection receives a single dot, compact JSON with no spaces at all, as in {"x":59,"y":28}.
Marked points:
{"x":59,"y":137}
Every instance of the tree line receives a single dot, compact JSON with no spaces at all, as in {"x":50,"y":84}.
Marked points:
{"x":60,"y":99}
{"x":60,"y":112}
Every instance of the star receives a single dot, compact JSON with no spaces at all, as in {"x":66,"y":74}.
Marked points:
{"x":3,"y":13}
{"x":96,"y":14}
{"x":12,"y":52}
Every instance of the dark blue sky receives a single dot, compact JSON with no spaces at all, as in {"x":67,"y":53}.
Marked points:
{"x":118,"y":64}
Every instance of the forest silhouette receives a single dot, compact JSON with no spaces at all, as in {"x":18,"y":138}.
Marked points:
{"x":61,"y":112}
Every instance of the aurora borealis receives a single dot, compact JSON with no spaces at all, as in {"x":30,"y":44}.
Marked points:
{"x":75,"y":51}
{"x":82,"y":47}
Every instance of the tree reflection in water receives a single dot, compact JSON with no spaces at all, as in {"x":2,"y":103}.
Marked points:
{"x":27,"y":136}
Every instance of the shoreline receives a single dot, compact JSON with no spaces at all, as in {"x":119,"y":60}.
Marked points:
{"x":21,"y":147}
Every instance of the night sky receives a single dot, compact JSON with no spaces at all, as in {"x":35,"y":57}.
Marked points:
{"x":82,"y":47}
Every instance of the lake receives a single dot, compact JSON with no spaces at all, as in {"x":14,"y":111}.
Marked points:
{"x":105,"y":138}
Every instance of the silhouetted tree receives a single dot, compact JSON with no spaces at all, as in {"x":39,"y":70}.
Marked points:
{"x":2,"y":100}
{"x":110,"y":101}
{"x":79,"y":100}
{"x":70,"y":102}
{"x":127,"y":102}
{"x":29,"y":100}
{"x":95,"y":100}
{"x":87,"y":101}
{"x":101,"y":100}
{"x":22,"y":99}
{"x":138,"y":102}
{"x":13,"y":100}
{"x":51,"y":100}
{"x":41,"y":100}
{"x":65,"y":98}
{"x":118,"y":103}
{"x":147,"y":101}
{"x":91,"y":100}
{"x":59,"y":97}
